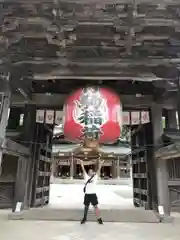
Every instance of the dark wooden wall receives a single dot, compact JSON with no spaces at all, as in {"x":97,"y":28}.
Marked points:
{"x":8,"y":180}
{"x":27,"y":167}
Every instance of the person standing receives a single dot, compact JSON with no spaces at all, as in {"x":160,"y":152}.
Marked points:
{"x":90,"y":196}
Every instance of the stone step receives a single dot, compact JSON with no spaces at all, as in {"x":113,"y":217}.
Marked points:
{"x":112,"y":215}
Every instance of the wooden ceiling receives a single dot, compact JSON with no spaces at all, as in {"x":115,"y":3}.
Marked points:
{"x":55,"y":46}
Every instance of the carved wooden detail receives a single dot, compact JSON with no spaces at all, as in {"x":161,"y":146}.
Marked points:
{"x":89,"y":40}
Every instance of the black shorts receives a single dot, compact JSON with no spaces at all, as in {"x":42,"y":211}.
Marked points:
{"x":90,"y":199}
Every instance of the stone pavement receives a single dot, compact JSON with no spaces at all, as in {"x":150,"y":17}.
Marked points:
{"x":110,"y":196}
{"x":28,"y":230}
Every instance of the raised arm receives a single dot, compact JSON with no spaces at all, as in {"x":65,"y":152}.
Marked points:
{"x":99,"y":167}
{"x":82,"y":167}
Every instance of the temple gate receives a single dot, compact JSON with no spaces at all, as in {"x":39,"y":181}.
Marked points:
{"x":50,"y":49}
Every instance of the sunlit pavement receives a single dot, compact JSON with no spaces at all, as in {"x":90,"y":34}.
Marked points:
{"x":28,"y":230}
{"x":71,"y":196}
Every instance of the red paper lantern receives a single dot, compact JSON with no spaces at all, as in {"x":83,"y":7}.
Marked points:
{"x":93,"y":113}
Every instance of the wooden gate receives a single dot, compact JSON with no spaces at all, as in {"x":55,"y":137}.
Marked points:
{"x":174,"y":183}
{"x":143,"y":172}
{"x":42,"y":165}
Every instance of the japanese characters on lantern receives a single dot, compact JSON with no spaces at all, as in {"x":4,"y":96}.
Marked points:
{"x":93,"y":113}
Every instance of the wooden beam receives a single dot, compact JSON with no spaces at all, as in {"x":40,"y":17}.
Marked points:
{"x":101,"y":62}
{"x":137,"y":40}
{"x":57,"y":101}
{"x":120,"y":1}
{"x":47,"y":71}
{"x":94,"y":72}
{"x":82,"y":19}
{"x":86,"y":77}
{"x":170,"y":2}
{"x":127,"y":71}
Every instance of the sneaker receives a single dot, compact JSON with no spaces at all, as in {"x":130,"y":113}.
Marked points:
{"x":83,"y":221}
{"x":100,"y":221}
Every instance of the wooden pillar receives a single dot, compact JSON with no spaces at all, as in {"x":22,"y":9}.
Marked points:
{"x":27,"y":138}
{"x":72,"y":167}
{"x":161,"y":166}
{"x":114,"y":171}
{"x":118,"y":167}
{"x":129,"y":160}
{"x":53,"y":168}
{"x":178,"y":100}
{"x":5,"y":97}
{"x":56,"y":169}
{"x":21,"y":194}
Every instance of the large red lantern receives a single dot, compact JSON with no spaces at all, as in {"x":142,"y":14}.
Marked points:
{"x":93,"y":113}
